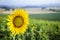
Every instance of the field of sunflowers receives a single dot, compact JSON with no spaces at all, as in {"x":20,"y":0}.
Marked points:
{"x":38,"y":29}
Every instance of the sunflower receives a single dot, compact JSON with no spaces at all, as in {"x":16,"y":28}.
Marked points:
{"x":18,"y":21}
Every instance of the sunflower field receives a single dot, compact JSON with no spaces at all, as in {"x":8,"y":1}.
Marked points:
{"x":38,"y":29}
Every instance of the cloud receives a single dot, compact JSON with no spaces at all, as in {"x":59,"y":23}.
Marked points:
{"x":28,"y":2}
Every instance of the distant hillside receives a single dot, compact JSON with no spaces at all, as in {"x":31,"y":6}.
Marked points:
{"x":29,"y":6}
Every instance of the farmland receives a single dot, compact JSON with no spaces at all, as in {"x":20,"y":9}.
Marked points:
{"x":48,"y":16}
{"x":41,"y":27}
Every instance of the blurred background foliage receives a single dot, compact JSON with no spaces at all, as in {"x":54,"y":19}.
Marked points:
{"x":37,"y":30}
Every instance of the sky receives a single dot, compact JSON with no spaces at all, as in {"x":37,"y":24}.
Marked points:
{"x":28,"y":2}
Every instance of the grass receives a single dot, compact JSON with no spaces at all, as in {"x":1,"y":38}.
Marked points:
{"x":38,"y":29}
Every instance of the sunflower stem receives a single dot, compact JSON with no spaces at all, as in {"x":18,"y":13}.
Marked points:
{"x":14,"y":37}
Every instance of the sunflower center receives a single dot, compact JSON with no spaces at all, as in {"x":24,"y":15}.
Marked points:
{"x":18,"y":21}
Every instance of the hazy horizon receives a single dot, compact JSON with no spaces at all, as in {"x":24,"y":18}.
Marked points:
{"x":18,"y":3}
